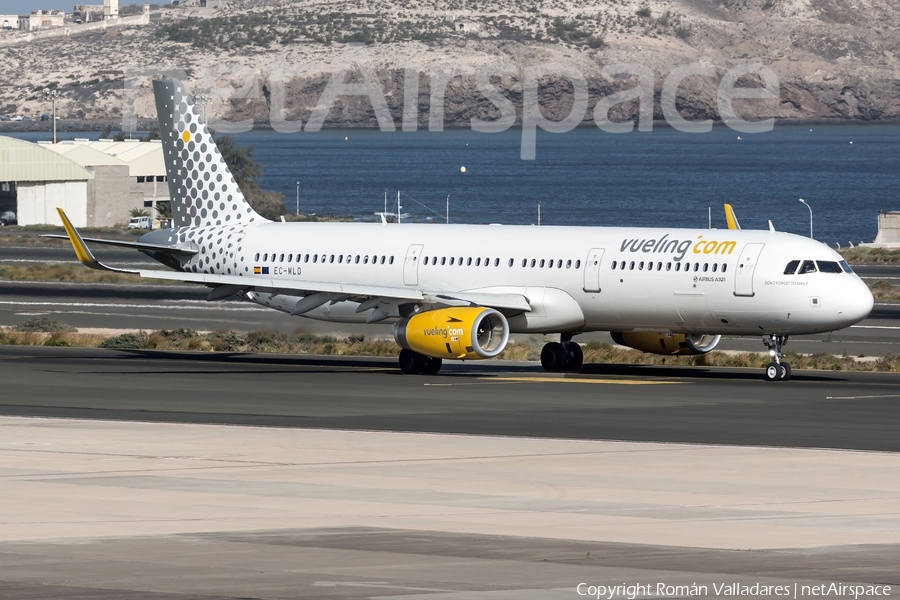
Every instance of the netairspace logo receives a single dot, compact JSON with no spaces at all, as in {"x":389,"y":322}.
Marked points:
{"x":795,"y":590}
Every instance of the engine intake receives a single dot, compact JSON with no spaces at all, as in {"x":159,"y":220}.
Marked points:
{"x":464,"y":333}
{"x":672,"y":344}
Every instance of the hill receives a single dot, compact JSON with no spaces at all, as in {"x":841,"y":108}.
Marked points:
{"x":836,"y":60}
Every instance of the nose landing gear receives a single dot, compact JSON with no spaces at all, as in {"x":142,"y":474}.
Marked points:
{"x":776,"y":370}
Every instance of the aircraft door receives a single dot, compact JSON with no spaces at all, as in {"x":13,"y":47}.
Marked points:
{"x":743,"y":278}
{"x":411,"y":264}
{"x":592,"y":270}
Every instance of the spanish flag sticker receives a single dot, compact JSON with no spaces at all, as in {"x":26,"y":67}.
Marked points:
{"x":257,"y":270}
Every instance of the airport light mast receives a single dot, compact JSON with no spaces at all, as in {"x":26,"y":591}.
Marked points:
{"x":810,"y":216}
{"x":52,"y":96}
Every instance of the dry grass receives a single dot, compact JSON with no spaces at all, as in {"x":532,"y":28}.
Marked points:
{"x":884,"y":291}
{"x":67,"y":273}
{"x":265,"y":342}
{"x":865,"y":255}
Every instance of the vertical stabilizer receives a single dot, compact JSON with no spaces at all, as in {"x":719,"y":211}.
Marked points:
{"x":201,"y":187}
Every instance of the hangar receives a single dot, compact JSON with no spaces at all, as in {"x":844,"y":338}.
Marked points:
{"x":97,"y":183}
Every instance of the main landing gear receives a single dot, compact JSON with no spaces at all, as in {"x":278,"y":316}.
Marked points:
{"x":562,"y":356}
{"x":776,"y":370}
{"x":413,"y":363}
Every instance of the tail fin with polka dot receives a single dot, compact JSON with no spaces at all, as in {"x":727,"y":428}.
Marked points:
{"x":201,"y":187}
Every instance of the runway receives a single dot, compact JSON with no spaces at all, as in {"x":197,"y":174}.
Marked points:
{"x":605,"y":402}
{"x":177,"y":475}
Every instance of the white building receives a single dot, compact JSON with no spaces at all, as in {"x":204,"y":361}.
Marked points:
{"x":42,"y":19}
{"x":96,"y":183}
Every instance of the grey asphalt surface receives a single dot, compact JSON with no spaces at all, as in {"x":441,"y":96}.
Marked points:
{"x":638,"y":403}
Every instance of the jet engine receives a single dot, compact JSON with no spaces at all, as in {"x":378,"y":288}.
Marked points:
{"x":464,"y":333}
{"x":673,"y":344}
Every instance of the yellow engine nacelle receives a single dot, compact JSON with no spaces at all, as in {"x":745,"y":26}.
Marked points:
{"x":673,"y":344}
{"x":465,"y":333}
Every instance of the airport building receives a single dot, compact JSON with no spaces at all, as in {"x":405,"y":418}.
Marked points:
{"x":97,"y":183}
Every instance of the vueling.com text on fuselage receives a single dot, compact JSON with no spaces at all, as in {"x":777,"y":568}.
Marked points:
{"x":679,"y":248}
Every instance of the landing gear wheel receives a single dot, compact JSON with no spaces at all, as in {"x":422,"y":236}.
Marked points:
{"x":554,"y":357}
{"x":575,"y":358}
{"x":432,"y":366}
{"x":785,"y":371}
{"x":412,"y":363}
{"x":776,"y":370}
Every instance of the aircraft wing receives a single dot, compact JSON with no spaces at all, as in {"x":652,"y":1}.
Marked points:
{"x":315,"y":293}
{"x":133,"y":245}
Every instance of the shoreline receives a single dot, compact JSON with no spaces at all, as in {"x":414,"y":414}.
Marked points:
{"x":146,"y":125}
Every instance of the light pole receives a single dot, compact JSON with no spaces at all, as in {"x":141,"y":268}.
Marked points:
{"x":298,"y":198}
{"x":52,"y":95}
{"x":810,"y":216}
{"x":205,"y":100}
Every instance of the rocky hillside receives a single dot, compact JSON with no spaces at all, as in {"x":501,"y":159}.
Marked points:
{"x":835,"y":59}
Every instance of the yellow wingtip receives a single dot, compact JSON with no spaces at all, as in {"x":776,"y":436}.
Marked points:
{"x":81,"y":250}
{"x":730,"y":218}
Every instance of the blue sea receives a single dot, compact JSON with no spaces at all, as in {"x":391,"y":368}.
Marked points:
{"x":846,"y":174}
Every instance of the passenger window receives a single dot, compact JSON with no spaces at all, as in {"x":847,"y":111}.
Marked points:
{"x":290,"y":257}
{"x":391,"y":261}
{"x":281,"y":259}
{"x":808,"y":266}
{"x":443,"y":260}
{"x":696,"y":267}
{"x":659,"y":266}
{"x":569,"y":264}
{"x":677,"y":266}
{"x":459,"y":262}
{"x":641,"y":266}
{"x":612,"y":266}
{"x":477,"y":261}
{"x":511,"y":262}
{"x":356,"y":259}
{"x":542,"y":262}
{"x":497,"y":262}
{"x":433,"y":260}
{"x":791,"y":267}
{"x":256,"y":258}
{"x":299,"y":256}
{"x":452,"y":260}
{"x":524,"y":262}
{"x":340,"y":259}
{"x":828,"y":266}
{"x":331,"y":258}
{"x":715,"y":267}
{"x":631,"y":267}
{"x":668,"y":266}
{"x":306,"y":258}
{"x":266,"y":257}
{"x":577,"y":264}
{"x":705,"y":267}
{"x":724,"y":267}
{"x":649,"y":266}
{"x":533,"y":262}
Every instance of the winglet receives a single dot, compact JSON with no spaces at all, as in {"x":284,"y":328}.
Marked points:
{"x":81,"y":249}
{"x":731,"y":218}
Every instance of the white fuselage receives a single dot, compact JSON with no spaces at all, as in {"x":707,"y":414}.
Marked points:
{"x":576,"y":279}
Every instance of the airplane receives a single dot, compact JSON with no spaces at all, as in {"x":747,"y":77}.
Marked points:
{"x":458,"y":291}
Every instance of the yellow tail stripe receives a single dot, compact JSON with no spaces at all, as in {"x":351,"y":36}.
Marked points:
{"x":81,"y":251}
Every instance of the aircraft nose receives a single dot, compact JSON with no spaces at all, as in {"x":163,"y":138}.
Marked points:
{"x":856,"y":304}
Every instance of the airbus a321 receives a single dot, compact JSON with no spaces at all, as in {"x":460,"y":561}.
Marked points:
{"x":458,"y":291}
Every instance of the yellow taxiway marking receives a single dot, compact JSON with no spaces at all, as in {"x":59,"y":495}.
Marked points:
{"x":558,"y":380}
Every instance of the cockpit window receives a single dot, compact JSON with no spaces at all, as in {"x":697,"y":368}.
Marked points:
{"x":791,"y":267}
{"x":846,"y":267}
{"x":828,"y":266}
{"x":808,"y":266}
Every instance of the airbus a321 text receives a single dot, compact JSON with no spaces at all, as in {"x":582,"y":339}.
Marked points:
{"x":458,"y":291}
